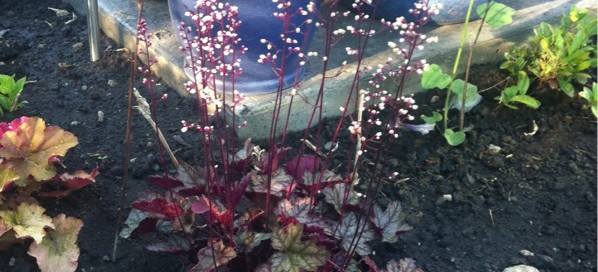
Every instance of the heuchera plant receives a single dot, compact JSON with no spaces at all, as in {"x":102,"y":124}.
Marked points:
{"x":28,"y":151}
{"x":281,"y":209}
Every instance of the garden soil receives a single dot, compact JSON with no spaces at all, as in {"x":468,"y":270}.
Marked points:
{"x":537,"y":193}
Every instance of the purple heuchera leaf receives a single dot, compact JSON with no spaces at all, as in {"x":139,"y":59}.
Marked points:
{"x":300,"y":211}
{"x":349,"y":228}
{"x":165,"y":181}
{"x":271,"y":161}
{"x":423,"y":128}
{"x":301,"y":164}
{"x":391,"y":221}
{"x":280,"y":183}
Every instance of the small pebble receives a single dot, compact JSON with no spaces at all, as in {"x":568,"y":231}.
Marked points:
{"x":75,"y":123}
{"x":521,"y":268}
{"x":78,"y":46}
{"x":526,"y":253}
{"x":111,"y":83}
{"x":100,"y":116}
{"x":84,"y":87}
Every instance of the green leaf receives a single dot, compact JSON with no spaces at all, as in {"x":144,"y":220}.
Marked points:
{"x":29,"y":220}
{"x":566,"y":87}
{"x":436,"y":117}
{"x":498,"y":15}
{"x":435,"y":78}
{"x":7,"y":176}
{"x":454,"y":138}
{"x":522,"y":82}
{"x":58,"y":251}
{"x":458,"y":86}
{"x":293,"y":254}
{"x":526,"y":100}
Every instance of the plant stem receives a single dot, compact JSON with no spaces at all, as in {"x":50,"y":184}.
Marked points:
{"x":456,"y":65}
{"x":123,"y":191}
{"x":468,"y":68}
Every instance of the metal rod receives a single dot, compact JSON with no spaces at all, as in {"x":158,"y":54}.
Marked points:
{"x":93,"y":27}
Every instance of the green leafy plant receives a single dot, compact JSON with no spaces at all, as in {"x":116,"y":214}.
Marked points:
{"x":518,"y":93}
{"x":9,"y":93}
{"x":591,"y":96}
{"x":28,"y":150}
{"x":558,"y":55}
{"x":460,"y":94}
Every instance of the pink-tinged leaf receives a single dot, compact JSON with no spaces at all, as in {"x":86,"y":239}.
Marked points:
{"x":391,"y":221}
{"x":133,"y":220}
{"x":217,"y":211}
{"x":175,"y":244}
{"x":335,"y":195}
{"x":72,"y":183}
{"x":293,"y":254}
{"x":12,"y":126}
{"x":159,"y":206}
{"x":301,"y":164}
{"x":214,"y":255}
{"x":404,"y":265}
{"x":318,"y":181}
{"x":351,"y":228}
{"x":165,"y":181}
{"x":200,"y":206}
{"x":280,"y":183}
{"x":28,"y":220}
{"x":58,"y":251}
{"x":29,"y":148}
{"x":300,"y":211}
{"x":423,"y":128}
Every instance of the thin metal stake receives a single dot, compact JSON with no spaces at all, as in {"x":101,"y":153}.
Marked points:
{"x":93,"y":27}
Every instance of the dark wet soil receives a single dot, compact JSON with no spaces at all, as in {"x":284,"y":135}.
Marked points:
{"x":537,"y":194}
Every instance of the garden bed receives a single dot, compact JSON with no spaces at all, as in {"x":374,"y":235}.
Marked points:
{"x":538,"y":193}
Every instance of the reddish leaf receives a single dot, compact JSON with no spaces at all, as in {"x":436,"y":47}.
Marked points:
{"x":165,"y":181}
{"x":159,"y":206}
{"x":240,"y":189}
{"x":72,"y":182}
{"x":200,"y":206}
{"x":12,"y":126}
{"x":313,"y":182}
{"x":301,"y":164}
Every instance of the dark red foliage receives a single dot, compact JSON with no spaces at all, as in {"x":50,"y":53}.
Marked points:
{"x":147,"y":225}
{"x":165,"y":181}
{"x":301,"y":164}
{"x":159,"y":206}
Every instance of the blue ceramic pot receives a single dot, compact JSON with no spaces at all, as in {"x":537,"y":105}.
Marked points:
{"x":453,"y":11}
{"x":258,"y":23}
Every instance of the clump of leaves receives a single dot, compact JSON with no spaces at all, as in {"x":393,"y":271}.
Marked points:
{"x":9,"y":93}
{"x":28,"y":151}
{"x":559,"y":56}
{"x":318,"y":218}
